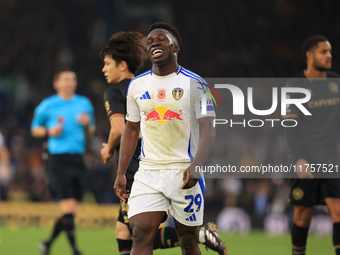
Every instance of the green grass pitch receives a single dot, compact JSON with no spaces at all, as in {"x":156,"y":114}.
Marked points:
{"x":97,"y":242}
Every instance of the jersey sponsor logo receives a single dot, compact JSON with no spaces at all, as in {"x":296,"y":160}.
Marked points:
{"x":333,"y":87}
{"x":209,"y":105}
{"x":107,"y":107}
{"x":297,"y":193}
{"x":323,"y":102}
{"x":162,"y":114}
{"x":209,"y":108}
{"x":177,"y":93}
{"x":161,"y":95}
{"x":145,"y":95}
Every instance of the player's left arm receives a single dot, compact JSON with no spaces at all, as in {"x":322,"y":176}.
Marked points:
{"x":205,"y":145}
{"x":206,"y":122}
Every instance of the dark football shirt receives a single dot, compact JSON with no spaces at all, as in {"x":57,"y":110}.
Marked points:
{"x":315,"y":136}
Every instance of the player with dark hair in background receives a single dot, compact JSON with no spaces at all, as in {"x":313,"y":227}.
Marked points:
{"x":66,"y":119}
{"x":314,"y":141}
{"x":147,"y":204}
{"x":123,"y":56}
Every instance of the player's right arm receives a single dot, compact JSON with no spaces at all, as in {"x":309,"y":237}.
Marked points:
{"x":294,"y":144}
{"x":127,"y":149}
{"x":128,"y":143}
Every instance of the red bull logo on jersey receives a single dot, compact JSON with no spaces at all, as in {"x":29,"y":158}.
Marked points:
{"x":162,"y":114}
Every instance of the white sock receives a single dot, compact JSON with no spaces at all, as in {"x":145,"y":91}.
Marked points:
{"x":201,"y":235}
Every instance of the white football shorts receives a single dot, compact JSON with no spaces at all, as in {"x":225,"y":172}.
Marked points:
{"x":160,"y":190}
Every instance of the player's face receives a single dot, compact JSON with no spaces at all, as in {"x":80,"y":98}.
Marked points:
{"x":111,"y":70}
{"x":161,"y":46}
{"x":322,"y":56}
{"x":67,"y":82}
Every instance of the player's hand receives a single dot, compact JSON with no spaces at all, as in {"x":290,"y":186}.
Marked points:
{"x":119,"y":188}
{"x":189,"y":179}
{"x":55,"y":131}
{"x":303,"y":170}
{"x":105,"y":153}
{"x":84,"y":119}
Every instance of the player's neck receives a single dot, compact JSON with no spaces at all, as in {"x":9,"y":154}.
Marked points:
{"x":166,"y":69}
{"x":65,"y":96}
{"x":313,"y":73}
{"x":126,"y":75}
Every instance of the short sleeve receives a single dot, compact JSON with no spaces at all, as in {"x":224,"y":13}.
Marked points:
{"x":40,"y":116}
{"x":115,"y":102}
{"x":203,"y":102}
{"x":132,"y":108}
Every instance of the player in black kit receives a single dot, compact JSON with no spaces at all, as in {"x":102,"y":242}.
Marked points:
{"x":314,"y":141}
{"x":123,"y":56}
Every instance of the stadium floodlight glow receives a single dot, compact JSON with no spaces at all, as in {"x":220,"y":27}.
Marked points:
{"x":238,"y":100}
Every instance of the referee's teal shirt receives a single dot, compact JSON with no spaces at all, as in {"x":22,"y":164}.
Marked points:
{"x":54,"y":111}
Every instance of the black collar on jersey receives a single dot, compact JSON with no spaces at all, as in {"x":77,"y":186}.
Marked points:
{"x":310,"y":78}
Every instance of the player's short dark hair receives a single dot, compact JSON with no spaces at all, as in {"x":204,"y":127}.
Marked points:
{"x":168,"y":27}
{"x":57,"y":73}
{"x":126,"y":46}
{"x":312,"y":42}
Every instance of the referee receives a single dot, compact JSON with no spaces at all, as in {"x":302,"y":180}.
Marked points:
{"x":66,"y":119}
{"x":314,"y":141}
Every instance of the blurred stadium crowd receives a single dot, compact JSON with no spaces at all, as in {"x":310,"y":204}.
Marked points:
{"x":219,"y":39}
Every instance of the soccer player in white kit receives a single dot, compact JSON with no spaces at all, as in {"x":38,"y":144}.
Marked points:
{"x":166,"y":104}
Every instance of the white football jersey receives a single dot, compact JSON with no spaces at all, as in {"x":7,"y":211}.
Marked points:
{"x":168,"y":108}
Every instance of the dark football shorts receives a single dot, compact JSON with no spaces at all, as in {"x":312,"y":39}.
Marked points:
{"x":123,"y":217}
{"x":306,"y":192}
{"x":68,"y":176}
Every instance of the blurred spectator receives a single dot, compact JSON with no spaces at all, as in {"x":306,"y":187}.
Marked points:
{"x":5,"y":173}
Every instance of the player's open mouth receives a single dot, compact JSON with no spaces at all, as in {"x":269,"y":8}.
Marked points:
{"x":157,"y":53}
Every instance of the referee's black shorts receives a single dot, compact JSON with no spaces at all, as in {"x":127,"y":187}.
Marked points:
{"x":310,"y":192}
{"x":68,"y":176}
